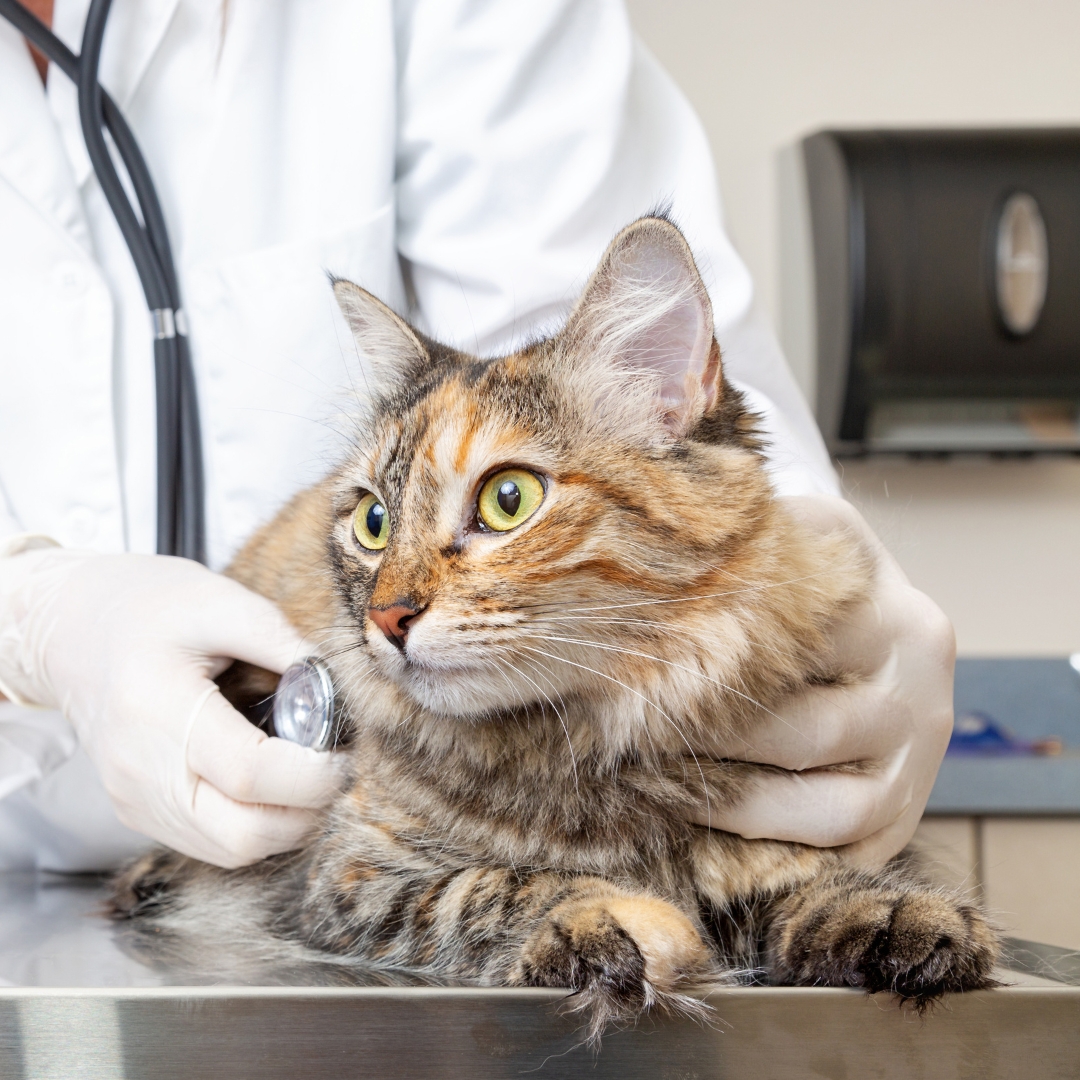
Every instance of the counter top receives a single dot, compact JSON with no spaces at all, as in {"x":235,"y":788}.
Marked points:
{"x":1007,"y":786}
{"x":83,"y":996}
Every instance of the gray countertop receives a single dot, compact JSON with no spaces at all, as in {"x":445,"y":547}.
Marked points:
{"x":1007,"y":786}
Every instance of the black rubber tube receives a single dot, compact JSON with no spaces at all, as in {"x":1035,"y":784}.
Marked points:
{"x":154,"y":282}
{"x":180,"y":483}
{"x":191,"y":505}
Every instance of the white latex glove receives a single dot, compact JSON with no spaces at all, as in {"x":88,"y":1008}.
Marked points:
{"x":127,"y":646}
{"x":893,"y":722}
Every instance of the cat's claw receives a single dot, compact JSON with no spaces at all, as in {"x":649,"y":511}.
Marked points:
{"x":918,"y":943}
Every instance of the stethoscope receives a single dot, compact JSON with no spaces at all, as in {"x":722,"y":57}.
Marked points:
{"x":304,"y":705}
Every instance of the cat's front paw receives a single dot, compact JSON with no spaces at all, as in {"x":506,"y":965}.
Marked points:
{"x":914,"y":941}
{"x":622,"y":954}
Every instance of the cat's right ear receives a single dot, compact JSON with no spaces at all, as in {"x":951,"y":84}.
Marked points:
{"x":390,"y":351}
{"x":645,"y":319}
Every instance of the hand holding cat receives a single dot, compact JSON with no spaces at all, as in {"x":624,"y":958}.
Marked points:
{"x":862,"y":755}
{"x":127,"y":646}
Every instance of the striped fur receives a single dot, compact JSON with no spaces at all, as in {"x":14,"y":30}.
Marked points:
{"x":524,"y":767}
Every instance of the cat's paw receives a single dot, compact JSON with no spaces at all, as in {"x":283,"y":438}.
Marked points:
{"x":914,"y":941}
{"x":147,"y":885}
{"x":622,"y":955}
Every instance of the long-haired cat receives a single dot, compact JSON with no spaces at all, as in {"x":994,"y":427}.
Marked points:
{"x":541,"y":580}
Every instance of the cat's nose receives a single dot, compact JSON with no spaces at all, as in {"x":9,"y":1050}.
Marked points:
{"x":393,"y":621}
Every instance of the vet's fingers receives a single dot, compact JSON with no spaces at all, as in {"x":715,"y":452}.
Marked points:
{"x":230,"y":833}
{"x":826,"y":513}
{"x":895,"y":616}
{"x":820,"y":808}
{"x":876,"y":850}
{"x":243,"y":763}
{"x":859,"y":642}
{"x":822,"y":725}
{"x":235,"y":622}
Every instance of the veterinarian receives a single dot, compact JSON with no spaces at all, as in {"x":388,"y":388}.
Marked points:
{"x":467,"y":163}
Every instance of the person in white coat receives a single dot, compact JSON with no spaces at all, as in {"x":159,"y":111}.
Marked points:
{"x":467,"y":163}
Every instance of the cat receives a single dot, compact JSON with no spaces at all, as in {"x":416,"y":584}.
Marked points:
{"x":541,"y":581}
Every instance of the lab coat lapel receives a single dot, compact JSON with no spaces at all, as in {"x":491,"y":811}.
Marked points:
{"x":56,"y":319}
{"x":32,"y":158}
{"x":134,"y":33}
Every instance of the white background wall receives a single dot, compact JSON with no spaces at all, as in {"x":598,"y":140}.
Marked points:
{"x":997,"y":544}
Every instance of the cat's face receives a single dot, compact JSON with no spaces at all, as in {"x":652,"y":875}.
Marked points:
{"x":516,"y":531}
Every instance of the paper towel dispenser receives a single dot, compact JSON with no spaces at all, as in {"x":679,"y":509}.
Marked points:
{"x":946,"y":270}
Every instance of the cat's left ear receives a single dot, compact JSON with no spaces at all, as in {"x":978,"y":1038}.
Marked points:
{"x":389,"y":348}
{"x":646,"y":311}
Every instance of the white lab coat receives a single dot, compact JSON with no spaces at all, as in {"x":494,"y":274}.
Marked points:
{"x":466,"y":162}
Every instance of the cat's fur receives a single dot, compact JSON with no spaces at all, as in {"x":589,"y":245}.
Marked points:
{"x":522,"y":768}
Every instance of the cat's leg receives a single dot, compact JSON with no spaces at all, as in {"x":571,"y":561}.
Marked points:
{"x":622,"y":951}
{"x":807,"y":920}
{"x":885,"y":931}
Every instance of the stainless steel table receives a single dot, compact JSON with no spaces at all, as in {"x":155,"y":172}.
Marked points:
{"x":82,"y":997}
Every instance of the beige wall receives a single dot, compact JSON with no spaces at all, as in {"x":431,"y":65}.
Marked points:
{"x":997,"y":544}
{"x":1026,"y":870}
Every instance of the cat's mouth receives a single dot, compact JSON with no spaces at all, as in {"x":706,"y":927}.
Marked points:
{"x":462,"y":678}
{"x":457,"y":690}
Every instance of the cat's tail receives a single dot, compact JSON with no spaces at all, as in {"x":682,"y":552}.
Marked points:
{"x":173,"y":889}
{"x":220,"y":917}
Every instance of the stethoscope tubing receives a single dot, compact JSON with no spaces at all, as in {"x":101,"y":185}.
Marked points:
{"x":180,"y":484}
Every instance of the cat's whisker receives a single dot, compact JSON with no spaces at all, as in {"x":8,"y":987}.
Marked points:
{"x":493,"y":663}
{"x":664,"y":628}
{"x":749,"y":588}
{"x":648,"y":701}
{"x":561,"y":718}
{"x":680,"y":667}
{"x":604,"y":620}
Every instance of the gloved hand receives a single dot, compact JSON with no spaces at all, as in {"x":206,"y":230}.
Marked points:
{"x":893,"y":721}
{"x":127,"y":646}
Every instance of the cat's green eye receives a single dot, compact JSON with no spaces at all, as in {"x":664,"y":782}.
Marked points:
{"x":371,"y":523}
{"x":508,"y":498}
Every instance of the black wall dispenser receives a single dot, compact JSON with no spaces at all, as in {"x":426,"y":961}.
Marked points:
{"x":946,"y":289}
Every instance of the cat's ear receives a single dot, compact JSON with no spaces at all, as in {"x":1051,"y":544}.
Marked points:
{"x":647,"y":313}
{"x":389,"y":349}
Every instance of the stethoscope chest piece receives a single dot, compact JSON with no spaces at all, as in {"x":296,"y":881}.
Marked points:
{"x":305,"y":709}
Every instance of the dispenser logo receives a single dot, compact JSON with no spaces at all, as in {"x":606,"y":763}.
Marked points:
{"x":1020,"y":264}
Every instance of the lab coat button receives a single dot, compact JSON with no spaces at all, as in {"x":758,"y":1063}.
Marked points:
{"x":69,"y":279}
{"x":82,"y":525}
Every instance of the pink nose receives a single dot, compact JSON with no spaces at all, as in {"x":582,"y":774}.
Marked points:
{"x":393,"y":621}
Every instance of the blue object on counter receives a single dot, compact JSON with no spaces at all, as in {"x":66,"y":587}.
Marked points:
{"x":1030,"y":698}
{"x":1027,"y":702}
{"x":980,"y":733}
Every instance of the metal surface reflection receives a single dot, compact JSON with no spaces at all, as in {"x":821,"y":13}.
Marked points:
{"x":87,"y":997}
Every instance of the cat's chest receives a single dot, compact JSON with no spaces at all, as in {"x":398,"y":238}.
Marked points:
{"x":607,"y":824}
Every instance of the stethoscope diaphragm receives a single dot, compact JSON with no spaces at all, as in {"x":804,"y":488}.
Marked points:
{"x":305,"y":707}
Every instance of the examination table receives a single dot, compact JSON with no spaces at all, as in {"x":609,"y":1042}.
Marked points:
{"x":84,"y":997}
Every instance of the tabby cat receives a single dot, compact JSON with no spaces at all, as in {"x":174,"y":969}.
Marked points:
{"x":541,"y":580}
